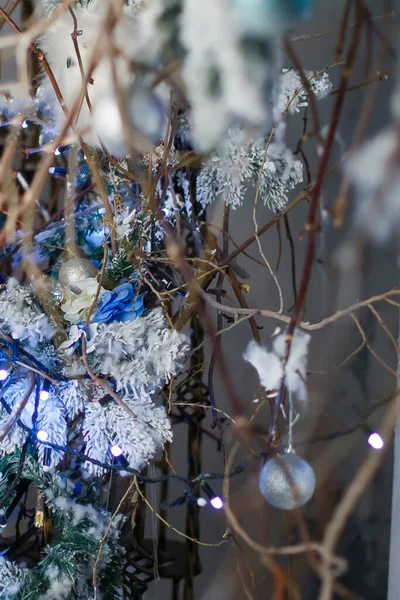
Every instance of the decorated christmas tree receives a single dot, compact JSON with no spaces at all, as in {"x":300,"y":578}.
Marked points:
{"x":129,"y":125}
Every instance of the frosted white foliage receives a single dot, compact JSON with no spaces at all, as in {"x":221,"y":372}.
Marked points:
{"x":320,"y":85}
{"x":236,"y":164}
{"x":14,"y":439}
{"x":97,"y":436}
{"x":139,"y":438}
{"x":75,"y":334}
{"x":21,"y":316}
{"x":64,"y":402}
{"x":57,"y":497}
{"x":52,"y":419}
{"x":72,"y":397}
{"x":215,"y":72}
{"x":93,"y":520}
{"x":13,"y":396}
{"x":125,"y":221}
{"x":15,"y":393}
{"x":12,"y":578}
{"x":186,"y":197}
{"x":156,"y":157}
{"x":270,"y":364}
{"x":74,"y":368}
{"x":225,"y":173}
{"x":58,"y":46}
{"x":374,"y":172}
{"x":12,"y":107}
{"x":92,"y":524}
{"x":281,"y":173}
{"x":141,"y":355}
{"x":50,"y":5}
{"x":293,"y":96}
{"x":172,"y":204}
{"x":60,"y":585}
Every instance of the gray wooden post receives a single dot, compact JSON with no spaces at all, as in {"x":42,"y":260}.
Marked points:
{"x":394,"y":562}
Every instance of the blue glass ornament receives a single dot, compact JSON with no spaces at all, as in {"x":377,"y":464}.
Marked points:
{"x":83,"y":176}
{"x":287,"y":481}
{"x":269,"y":18}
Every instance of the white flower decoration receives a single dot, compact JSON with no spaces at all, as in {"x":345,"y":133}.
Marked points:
{"x":74,"y":336}
{"x":75,"y":306}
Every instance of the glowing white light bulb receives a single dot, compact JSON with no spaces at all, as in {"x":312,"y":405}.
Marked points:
{"x":116,"y":450}
{"x":25,"y":124}
{"x":3,"y":374}
{"x":375,"y":441}
{"x":42,"y":435}
{"x":44,"y":395}
{"x":216,"y":503}
{"x":201,"y":501}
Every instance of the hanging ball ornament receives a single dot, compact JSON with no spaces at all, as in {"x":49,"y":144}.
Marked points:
{"x":75,"y":270}
{"x":287,"y":481}
{"x":266,"y":18}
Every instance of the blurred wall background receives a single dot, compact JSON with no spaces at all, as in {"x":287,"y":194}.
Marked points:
{"x":337,"y":400}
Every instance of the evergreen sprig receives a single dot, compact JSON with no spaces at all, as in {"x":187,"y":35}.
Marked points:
{"x":78,"y":529}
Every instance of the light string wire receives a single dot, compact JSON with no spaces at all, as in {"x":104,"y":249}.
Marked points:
{"x":32,"y":435}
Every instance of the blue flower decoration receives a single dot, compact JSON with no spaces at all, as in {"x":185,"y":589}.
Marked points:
{"x":121,"y":304}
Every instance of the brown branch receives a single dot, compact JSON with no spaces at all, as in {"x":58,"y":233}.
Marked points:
{"x":302,"y":324}
{"x":101,"y":277}
{"x":37,"y":371}
{"x":312,"y":221}
{"x":349,"y":500}
{"x":264,"y":228}
{"x":306,"y":86}
{"x":368,"y":345}
{"x":41,"y":174}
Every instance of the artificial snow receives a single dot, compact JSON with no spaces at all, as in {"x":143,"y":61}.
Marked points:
{"x":272,"y":366}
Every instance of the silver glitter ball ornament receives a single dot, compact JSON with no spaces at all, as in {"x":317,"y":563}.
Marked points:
{"x":75,"y":270}
{"x":287,"y":481}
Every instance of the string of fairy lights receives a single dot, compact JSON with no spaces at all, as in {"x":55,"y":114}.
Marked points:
{"x":118,"y":462}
